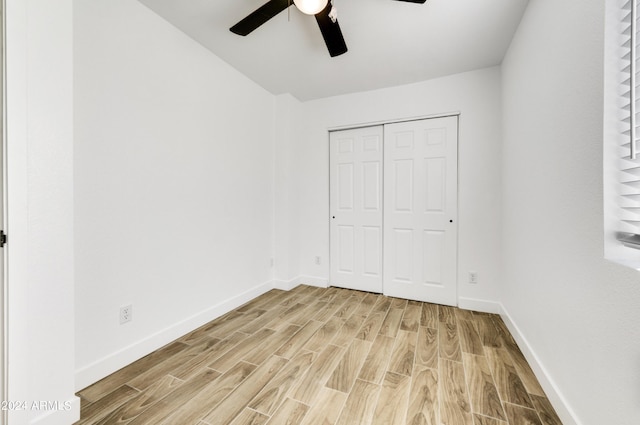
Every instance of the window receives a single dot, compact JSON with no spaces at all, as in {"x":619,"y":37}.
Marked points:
{"x":621,"y":155}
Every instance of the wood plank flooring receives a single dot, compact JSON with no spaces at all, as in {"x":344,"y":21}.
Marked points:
{"x":316,"y":356}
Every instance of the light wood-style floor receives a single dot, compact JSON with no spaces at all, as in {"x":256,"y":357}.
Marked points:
{"x":329,"y":356}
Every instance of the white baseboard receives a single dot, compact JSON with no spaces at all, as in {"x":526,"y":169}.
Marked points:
{"x":320,"y":282}
{"x":92,"y":373}
{"x":483,"y":306}
{"x":287,"y":285}
{"x":67,"y":413}
{"x":564,"y":411}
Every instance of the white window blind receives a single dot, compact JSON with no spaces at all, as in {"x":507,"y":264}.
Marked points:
{"x":621,"y":123}
{"x":628,"y":145}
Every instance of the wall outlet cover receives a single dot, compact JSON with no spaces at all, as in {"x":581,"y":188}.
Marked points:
{"x":473,"y":278}
{"x":126,"y":314}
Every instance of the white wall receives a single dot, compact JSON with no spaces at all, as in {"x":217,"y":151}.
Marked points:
{"x":173,"y":184}
{"x":578,"y":312}
{"x":476,"y":95}
{"x":286,"y":193}
{"x":40,"y":211}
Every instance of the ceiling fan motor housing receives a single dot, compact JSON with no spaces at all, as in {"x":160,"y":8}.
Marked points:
{"x":310,"y":7}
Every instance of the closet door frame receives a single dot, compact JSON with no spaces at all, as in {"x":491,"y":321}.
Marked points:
{"x":453,"y":264}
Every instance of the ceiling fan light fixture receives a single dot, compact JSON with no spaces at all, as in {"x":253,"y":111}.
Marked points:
{"x":310,"y":7}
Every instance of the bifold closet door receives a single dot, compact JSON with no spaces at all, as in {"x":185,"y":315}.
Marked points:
{"x":356,"y":208}
{"x":420,"y":210}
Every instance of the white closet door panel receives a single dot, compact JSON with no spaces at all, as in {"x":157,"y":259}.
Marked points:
{"x":346,"y":253}
{"x":372,"y":190}
{"x":345,"y":186}
{"x":402,"y":185}
{"x":433,"y":253}
{"x":372,"y":251}
{"x":356,"y":204}
{"x":434,"y":186}
{"x":400,"y":251}
{"x":420,"y":210}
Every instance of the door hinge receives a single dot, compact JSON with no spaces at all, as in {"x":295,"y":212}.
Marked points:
{"x":3,"y":238}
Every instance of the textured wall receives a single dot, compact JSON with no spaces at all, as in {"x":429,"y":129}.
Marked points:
{"x":173,"y":183}
{"x":578,"y":312}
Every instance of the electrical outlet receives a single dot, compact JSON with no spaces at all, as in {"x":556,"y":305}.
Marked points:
{"x":126,"y":314}
{"x":317,"y":260}
{"x":273,"y":262}
{"x":473,"y":278}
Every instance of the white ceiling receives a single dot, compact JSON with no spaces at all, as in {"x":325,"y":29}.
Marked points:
{"x":390,"y":42}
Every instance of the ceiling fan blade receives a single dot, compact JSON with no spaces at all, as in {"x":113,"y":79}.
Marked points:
{"x":260,"y":16}
{"x":414,"y":1}
{"x":331,"y":32}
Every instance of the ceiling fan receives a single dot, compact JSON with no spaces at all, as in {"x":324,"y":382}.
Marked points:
{"x":323,"y":10}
